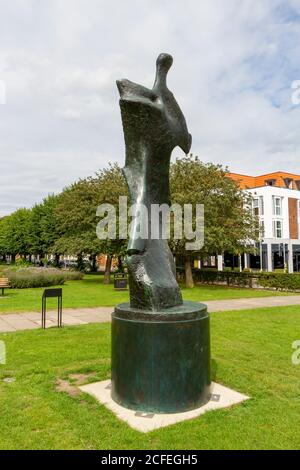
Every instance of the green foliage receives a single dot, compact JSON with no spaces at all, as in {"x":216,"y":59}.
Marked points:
{"x":229,"y":278}
{"x":21,"y":262}
{"x":76,"y":213}
{"x":278,"y":281}
{"x":229,"y":222}
{"x":44,"y":230}
{"x":38,"y":277}
{"x":15,"y":233}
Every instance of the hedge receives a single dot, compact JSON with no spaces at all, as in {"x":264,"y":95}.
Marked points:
{"x":38,"y":277}
{"x":278,"y":281}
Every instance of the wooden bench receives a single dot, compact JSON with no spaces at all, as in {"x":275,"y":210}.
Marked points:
{"x":4,"y":284}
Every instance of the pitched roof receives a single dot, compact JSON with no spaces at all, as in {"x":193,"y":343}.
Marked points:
{"x":279,"y":179}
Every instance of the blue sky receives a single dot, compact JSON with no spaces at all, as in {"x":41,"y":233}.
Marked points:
{"x":234,"y":63}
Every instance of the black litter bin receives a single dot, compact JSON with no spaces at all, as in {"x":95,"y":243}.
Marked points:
{"x":120,"y":281}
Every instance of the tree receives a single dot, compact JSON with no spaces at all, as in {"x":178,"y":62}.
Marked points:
{"x":15,"y":233}
{"x":4,"y":237}
{"x":228,"y":219}
{"x":76,"y":215}
{"x":44,"y":230}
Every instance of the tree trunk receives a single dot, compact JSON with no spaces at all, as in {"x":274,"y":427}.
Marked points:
{"x":106,"y":279}
{"x":189,"y":281}
{"x":80,"y":264}
{"x":120,"y":264}
{"x":94,"y":263}
{"x":41,"y":257}
{"x":56,"y":260}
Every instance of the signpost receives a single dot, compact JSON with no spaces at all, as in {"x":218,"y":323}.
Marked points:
{"x":52,"y":293}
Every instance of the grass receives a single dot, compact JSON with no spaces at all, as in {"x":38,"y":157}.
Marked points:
{"x":251,"y":353}
{"x":91,"y":292}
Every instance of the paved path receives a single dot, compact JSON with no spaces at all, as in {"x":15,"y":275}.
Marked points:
{"x":83,"y":316}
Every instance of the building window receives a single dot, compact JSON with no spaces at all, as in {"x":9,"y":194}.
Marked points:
{"x":258,"y":206}
{"x":288,"y":183}
{"x":261,"y":205}
{"x":277,"y":228}
{"x":277,"y":206}
{"x":298,"y":184}
{"x":262,"y":229}
{"x":270,"y":182}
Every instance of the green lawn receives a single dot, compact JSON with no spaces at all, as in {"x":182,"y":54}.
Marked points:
{"x":91,"y":292}
{"x":251,"y":353}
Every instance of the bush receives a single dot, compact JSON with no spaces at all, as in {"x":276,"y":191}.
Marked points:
{"x":39,"y":277}
{"x":280,"y":281}
{"x":230,"y":278}
{"x":22,"y":263}
{"x":275,"y":280}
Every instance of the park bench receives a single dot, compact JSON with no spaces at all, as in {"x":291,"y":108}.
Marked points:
{"x":4,"y":284}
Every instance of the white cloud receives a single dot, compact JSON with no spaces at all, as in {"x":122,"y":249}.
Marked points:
{"x":234,"y":63}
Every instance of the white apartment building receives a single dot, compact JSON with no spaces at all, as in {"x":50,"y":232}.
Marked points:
{"x":276,"y":201}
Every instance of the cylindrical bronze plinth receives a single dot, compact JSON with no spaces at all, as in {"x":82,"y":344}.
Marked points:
{"x":161,"y":360}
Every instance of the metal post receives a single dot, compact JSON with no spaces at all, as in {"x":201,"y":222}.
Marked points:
{"x":43,"y":313}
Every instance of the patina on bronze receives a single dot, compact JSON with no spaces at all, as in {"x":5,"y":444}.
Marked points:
{"x":160,"y":344}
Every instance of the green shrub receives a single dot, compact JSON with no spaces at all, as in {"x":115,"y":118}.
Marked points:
{"x":39,"y":277}
{"x":275,"y":280}
{"x":22,"y":263}
{"x":280,"y":281}
{"x":230,"y":278}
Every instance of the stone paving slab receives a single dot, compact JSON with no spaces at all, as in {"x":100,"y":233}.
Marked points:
{"x":257,"y":302}
{"x":49,"y":324}
{"x":69,"y":320}
{"x":102,"y":311}
{"x":18,"y":322}
{"x":93,"y":318}
{"x":82,"y":316}
{"x":5,"y":327}
{"x":32,"y":316}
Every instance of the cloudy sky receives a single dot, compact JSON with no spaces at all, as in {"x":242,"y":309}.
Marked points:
{"x":234,"y":64}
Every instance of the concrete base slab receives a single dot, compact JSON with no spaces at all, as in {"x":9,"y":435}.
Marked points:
{"x":221,"y":397}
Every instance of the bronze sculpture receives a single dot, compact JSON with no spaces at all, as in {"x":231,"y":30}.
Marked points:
{"x":153,"y":125}
{"x":160,"y":344}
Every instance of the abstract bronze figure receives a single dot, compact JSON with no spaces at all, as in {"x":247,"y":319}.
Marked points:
{"x":153,"y":125}
{"x":160,"y":344}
